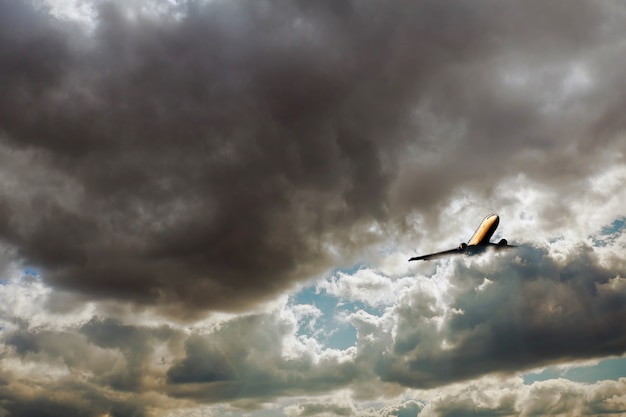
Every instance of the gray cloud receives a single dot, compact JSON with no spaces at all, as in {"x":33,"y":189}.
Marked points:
{"x":66,"y":397}
{"x":315,"y":409}
{"x":105,"y":352}
{"x":136,"y":345}
{"x":555,"y":397}
{"x":211,"y":160}
{"x":223,"y":149}
{"x":533,"y":310}
{"x":100,"y":367}
{"x":209,"y":156}
{"x":246,"y":359}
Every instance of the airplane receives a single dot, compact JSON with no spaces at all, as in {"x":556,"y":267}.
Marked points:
{"x":478,"y":243}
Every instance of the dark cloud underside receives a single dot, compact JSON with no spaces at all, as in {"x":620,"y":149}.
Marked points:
{"x":210,"y":160}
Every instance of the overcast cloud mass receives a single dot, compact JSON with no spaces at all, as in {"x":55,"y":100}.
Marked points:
{"x":207,"y":207}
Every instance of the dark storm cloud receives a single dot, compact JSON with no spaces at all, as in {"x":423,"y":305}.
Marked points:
{"x":224,"y":150}
{"x":65,"y":398}
{"x":207,"y":161}
{"x":104,"y":367}
{"x":209,"y":156}
{"x":135,"y":344}
{"x":117,"y":356}
{"x":535,"y":311}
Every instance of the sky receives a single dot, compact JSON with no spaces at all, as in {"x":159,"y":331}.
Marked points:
{"x":207,"y":208}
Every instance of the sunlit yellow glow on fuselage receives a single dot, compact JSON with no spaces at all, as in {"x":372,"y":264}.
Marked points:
{"x":485,"y":230}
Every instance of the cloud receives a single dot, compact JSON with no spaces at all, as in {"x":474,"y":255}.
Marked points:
{"x":313,"y":409}
{"x":365,"y":285}
{"x":227,"y":163}
{"x":66,"y":398}
{"x":484,"y":317}
{"x":513,"y":312}
{"x":502,"y":315}
{"x":250,"y":358}
{"x":554,"y":397}
{"x":210,"y":160}
{"x":171,"y":172}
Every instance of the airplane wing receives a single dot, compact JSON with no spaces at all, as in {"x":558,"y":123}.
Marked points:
{"x":430,"y":256}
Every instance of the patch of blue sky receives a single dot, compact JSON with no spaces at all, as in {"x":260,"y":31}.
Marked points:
{"x":341,"y":338}
{"x":329,"y":328}
{"x":30,"y":271}
{"x":606,"y":369}
{"x":332,"y":328}
{"x":616,"y":227}
{"x":608,"y":234}
{"x":349,"y":271}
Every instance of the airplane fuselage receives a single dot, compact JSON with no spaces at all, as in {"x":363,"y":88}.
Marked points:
{"x":484,"y":231}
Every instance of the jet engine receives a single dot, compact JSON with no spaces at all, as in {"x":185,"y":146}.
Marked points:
{"x":462,"y":247}
{"x":502,"y":242}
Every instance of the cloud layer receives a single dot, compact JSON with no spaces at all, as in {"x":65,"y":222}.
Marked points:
{"x":173,"y":174}
{"x":208,"y":156}
{"x":497,"y":315}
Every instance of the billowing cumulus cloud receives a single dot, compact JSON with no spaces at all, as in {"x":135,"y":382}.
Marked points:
{"x":510,"y":398}
{"x":495,"y":315}
{"x":253,"y":357}
{"x":522,"y":310}
{"x":196,"y":198}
